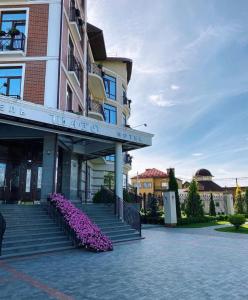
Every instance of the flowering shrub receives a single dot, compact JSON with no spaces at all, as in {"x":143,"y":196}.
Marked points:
{"x":88,"y":234}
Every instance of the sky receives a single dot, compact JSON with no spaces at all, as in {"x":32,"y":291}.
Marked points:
{"x":189,"y":81}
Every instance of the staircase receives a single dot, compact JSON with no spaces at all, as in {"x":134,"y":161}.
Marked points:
{"x":30,"y":231}
{"x":103,"y":215}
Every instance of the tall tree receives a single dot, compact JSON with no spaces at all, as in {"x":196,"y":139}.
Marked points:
{"x":212,"y":211}
{"x":246,"y":200}
{"x":194,"y":207}
{"x":239,"y":201}
{"x":173,"y":186}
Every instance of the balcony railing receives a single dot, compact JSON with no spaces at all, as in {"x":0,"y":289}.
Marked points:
{"x":97,"y":107}
{"x":74,"y":66}
{"x":127,"y":101}
{"x":128,"y":159}
{"x":75,"y":16}
{"x":18,"y":97}
{"x":12,"y":43}
{"x":95,"y":69}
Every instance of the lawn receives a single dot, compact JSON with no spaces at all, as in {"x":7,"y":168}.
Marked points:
{"x":242,"y":229}
{"x":206,"y":224}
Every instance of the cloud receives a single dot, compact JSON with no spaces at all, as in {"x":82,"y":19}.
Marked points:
{"x":197,"y":154}
{"x":174,"y":87}
{"x":159,"y":101}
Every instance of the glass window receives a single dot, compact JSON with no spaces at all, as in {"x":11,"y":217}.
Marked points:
{"x":13,"y":20}
{"x":125,"y":181}
{"x":147,"y":185}
{"x":110,"y":114}
{"x":110,"y":86}
{"x":110,"y":157}
{"x":10,"y":81}
{"x":68,"y":99}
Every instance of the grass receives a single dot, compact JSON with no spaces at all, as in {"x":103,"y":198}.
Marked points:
{"x":206,"y":224}
{"x":243,"y":229}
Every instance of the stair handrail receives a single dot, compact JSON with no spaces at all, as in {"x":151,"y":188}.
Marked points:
{"x":130,"y":214}
{"x":55,"y":214}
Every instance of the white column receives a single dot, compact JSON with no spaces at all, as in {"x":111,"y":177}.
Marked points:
{"x":170,"y":212}
{"x":119,"y":175}
{"x":228,"y":199}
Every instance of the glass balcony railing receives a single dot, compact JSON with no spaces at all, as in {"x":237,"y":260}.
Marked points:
{"x":127,"y":101}
{"x":75,"y":17}
{"x":95,"y":106}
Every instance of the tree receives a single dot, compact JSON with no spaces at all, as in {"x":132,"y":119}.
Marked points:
{"x":212,"y":211}
{"x":246,"y":200}
{"x":173,"y":186}
{"x":239,"y":201}
{"x":193,"y":207}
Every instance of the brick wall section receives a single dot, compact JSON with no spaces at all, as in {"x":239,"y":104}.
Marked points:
{"x":38,"y":30}
{"x":34,"y":85}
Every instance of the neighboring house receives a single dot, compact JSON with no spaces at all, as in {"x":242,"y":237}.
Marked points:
{"x":63,"y":104}
{"x":206,"y":187}
{"x":152,"y":181}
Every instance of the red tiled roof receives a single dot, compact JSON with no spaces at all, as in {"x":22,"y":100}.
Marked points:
{"x":152,"y":173}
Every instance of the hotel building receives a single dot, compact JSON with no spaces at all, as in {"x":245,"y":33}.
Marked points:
{"x":63,"y":104}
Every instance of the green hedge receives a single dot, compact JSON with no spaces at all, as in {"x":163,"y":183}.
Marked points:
{"x":194,"y":220}
{"x":237,"y":220}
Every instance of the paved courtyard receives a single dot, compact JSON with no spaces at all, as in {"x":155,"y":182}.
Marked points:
{"x":168,"y":264}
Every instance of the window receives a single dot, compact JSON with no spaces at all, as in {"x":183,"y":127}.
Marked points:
{"x":110,"y":157}
{"x":147,"y":185}
{"x":13,"y":27}
{"x":10,"y":81}
{"x":124,"y":120}
{"x":69,"y":99}
{"x":109,"y":180}
{"x":110,"y":114}
{"x":110,"y":86}
{"x":125,"y":181}
{"x":164,"y":184}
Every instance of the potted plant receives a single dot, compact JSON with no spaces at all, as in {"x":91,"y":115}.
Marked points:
{"x":13,"y":32}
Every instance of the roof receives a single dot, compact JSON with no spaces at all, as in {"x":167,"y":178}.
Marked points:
{"x":203,"y":172}
{"x":152,"y":173}
{"x":97,"y":43}
{"x":125,"y":60}
{"x":209,"y":186}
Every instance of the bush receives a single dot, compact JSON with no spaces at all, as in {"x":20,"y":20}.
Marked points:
{"x":237,"y":220}
{"x":222,"y":218}
{"x":103,"y":196}
{"x":195,"y":220}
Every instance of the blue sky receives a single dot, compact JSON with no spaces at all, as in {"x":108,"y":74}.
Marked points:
{"x":189,"y":81}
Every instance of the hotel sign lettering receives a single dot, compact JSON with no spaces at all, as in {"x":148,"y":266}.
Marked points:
{"x":38,"y":113}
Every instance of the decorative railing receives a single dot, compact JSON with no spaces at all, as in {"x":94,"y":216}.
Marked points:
{"x":12,"y":43}
{"x":74,"y":66}
{"x":95,"y":69}
{"x":127,"y":101}
{"x":129,"y":213}
{"x":60,"y":221}
{"x":128,"y":159}
{"x":97,"y":107}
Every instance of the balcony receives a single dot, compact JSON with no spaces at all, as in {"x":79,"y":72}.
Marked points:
{"x":75,"y":70}
{"x":12,"y":44}
{"x":128,"y":159}
{"x":76,"y":23}
{"x":96,"y":85}
{"x":96,"y":110}
{"x":127,"y":102}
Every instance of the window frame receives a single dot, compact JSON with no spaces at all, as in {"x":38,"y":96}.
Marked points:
{"x":105,"y":104}
{"x":105,"y":81}
{"x":27,"y":9}
{"x":23,"y":66}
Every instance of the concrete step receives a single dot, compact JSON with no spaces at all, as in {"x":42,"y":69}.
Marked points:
{"x":32,"y":241}
{"x":29,"y":253}
{"x":27,"y":226}
{"x":119,"y":232}
{"x":124,"y":237}
{"x":22,"y":235}
{"x":30,"y":230}
{"x":35,"y":247}
{"x":115,"y":228}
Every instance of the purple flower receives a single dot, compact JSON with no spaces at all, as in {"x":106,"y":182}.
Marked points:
{"x":88,"y":233}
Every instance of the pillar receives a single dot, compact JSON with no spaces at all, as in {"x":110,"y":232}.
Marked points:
{"x":70,"y":175}
{"x":119,"y":176}
{"x":170,"y":212}
{"x":228,"y":201}
{"x":49,"y":166}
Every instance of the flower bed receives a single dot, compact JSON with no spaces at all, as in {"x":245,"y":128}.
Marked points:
{"x":88,"y":234}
